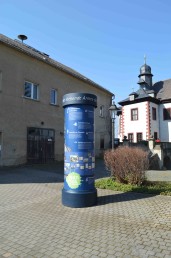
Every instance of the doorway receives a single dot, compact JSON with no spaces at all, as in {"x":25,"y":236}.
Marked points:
{"x":40,"y":145}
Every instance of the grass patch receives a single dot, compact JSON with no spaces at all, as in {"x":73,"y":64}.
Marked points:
{"x":160,"y":188}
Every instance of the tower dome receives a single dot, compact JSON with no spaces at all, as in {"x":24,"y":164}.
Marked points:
{"x":145,"y":69}
{"x":145,"y":76}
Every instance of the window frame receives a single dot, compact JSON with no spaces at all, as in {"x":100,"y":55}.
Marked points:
{"x":133,"y":116}
{"x":33,"y":86}
{"x":101,"y":111}
{"x":141,"y":138}
{"x":130,"y":139}
{"x":155,"y":135}
{"x":47,"y":133}
{"x":102,"y":143}
{"x":166,"y":113}
{"x":154,"y":113}
{"x":55,"y":102}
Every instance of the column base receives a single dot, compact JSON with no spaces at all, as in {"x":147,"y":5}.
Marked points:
{"x":79,"y":199}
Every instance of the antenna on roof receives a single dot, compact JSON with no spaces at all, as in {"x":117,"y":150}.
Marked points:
{"x":22,"y":37}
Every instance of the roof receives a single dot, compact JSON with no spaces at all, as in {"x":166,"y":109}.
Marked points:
{"x":145,"y":69}
{"x":133,"y":93}
{"x":163,"y":89}
{"x":28,"y":50}
{"x":141,"y":95}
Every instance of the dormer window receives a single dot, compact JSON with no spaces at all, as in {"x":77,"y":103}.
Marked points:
{"x":133,"y":96}
{"x":152,"y":94}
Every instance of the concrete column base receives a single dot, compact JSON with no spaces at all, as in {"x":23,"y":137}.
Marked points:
{"x":79,"y":199}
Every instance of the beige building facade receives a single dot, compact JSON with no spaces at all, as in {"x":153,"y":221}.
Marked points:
{"x":32,"y":86}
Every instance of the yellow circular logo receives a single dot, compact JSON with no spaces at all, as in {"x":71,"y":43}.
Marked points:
{"x":73,"y":180}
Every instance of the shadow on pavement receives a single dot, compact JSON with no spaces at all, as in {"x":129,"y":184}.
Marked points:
{"x":42,"y":173}
{"x":54,"y":173}
{"x":32,"y":174}
{"x":121,"y":197}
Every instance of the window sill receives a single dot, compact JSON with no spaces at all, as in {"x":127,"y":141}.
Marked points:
{"x":30,"y":99}
{"x":55,"y":105}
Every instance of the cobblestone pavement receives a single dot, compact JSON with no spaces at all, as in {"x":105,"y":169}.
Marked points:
{"x":34,"y":223}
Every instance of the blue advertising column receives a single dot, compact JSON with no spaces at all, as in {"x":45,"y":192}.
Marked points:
{"x":79,"y":158}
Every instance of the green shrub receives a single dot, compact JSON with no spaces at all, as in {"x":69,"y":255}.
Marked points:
{"x":127,"y":164}
{"x":161,"y":188}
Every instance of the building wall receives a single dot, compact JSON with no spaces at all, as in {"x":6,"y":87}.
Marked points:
{"x":17,"y":113}
{"x":141,"y":125}
{"x":154,"y":124}
{"x":145,"y":123}
{"x":165,"y":125}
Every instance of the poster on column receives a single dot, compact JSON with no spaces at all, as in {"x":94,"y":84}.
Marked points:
{"x":79,"y":146}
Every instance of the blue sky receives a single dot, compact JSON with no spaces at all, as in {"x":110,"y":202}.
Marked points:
{"x":104,"y":40}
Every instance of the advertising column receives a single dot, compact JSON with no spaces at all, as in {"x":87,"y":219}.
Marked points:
{"x":79,"y":157}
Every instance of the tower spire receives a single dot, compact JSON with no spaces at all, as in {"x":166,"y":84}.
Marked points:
{"x":145,"y":59}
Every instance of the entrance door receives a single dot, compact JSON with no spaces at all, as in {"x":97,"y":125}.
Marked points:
{"x":40,"y":145}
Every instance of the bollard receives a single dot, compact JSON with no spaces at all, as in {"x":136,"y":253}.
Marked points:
{"x":79,"y":158}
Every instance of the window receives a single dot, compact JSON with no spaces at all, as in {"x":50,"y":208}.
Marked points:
{"x":130,"y":137}
{"x":39,"y":132}
{"x":139,"y":137}
{"x":155,"y":136}
{"x":31,"y":90}
{"x":134,"y":114}
{"x":167,"y":114}
{"x":53,"y":97}
{"x":102,"y":111}
{"x":101,"y":143}
{"x":154,"y":117}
